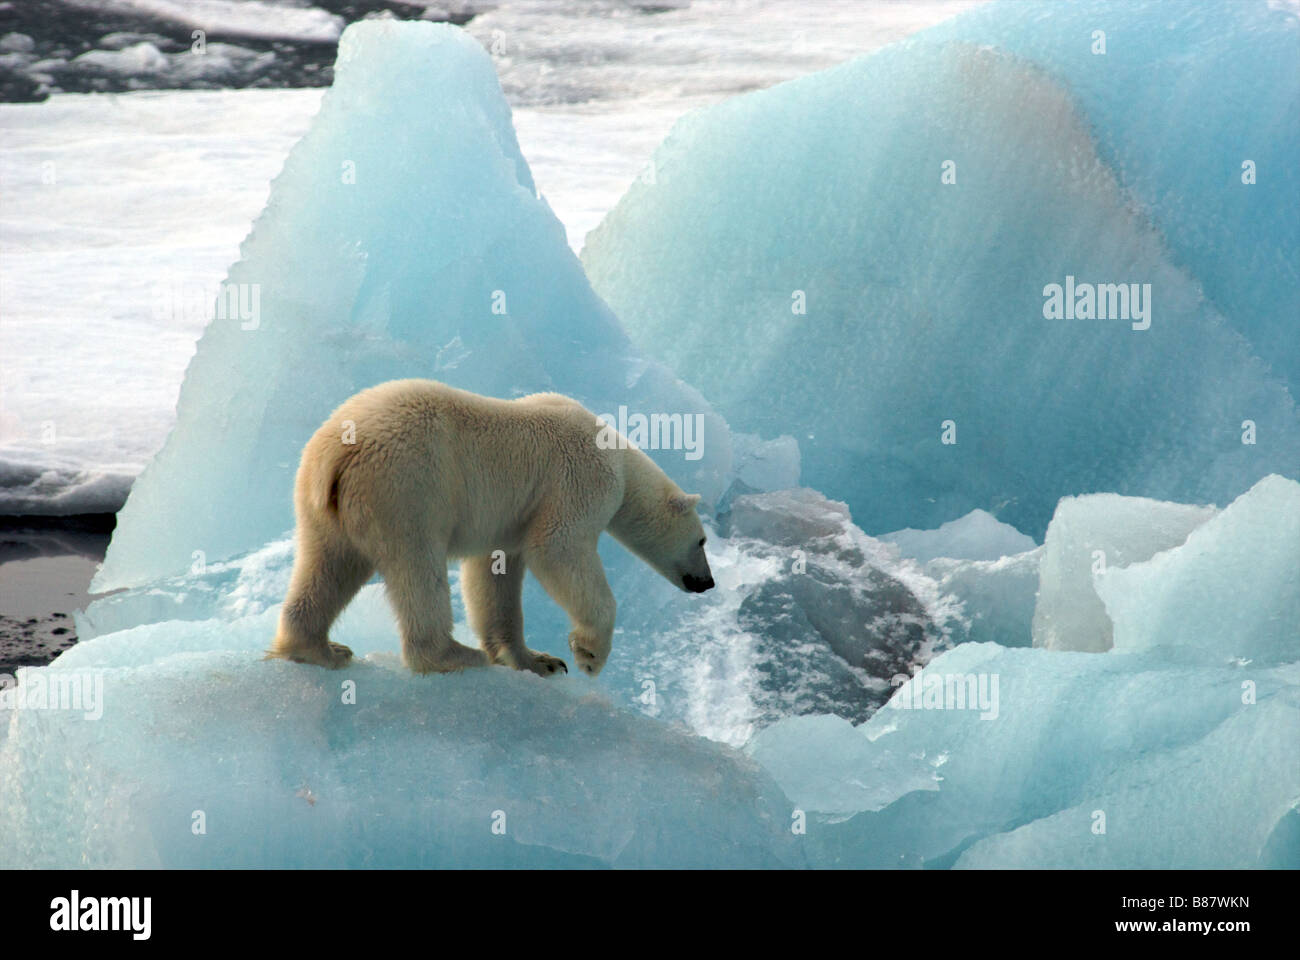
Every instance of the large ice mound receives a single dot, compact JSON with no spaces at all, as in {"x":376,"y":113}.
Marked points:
{"x":1171,"y":72}
{"x":859,"y":258}
{"x":403,"y":238}
{"x":211,"y":759}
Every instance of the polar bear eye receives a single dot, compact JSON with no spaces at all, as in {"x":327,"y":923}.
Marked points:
{"x":702,"y":539}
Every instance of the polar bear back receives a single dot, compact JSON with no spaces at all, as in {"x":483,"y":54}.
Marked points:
{"x":484,"y":473}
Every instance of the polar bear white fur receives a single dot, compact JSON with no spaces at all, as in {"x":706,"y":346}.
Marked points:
{"x":407,"y":474}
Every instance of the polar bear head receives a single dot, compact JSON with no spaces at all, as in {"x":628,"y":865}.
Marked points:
{"x":674,"y":544}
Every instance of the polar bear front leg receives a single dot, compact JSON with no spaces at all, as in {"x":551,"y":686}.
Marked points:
{"x":575,"y":579}
{"x":418,"y":590}
{"x":493,"y":592}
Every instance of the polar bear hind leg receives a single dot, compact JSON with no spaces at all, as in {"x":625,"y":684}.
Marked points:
{"x":327,"y":573}
{"x":494,"y":607}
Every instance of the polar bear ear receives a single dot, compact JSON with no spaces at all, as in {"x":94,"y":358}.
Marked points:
{"x":683,"y":503}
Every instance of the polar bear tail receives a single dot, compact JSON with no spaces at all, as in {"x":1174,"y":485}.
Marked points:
{"x":323,"y":482}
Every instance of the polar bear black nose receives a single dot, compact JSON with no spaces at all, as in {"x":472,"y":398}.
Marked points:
{"x":697,"y":584}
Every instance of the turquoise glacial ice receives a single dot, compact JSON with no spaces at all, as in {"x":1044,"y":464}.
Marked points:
{"x":1080,"y":760}
{"x":210,"y":757}
{"x":860,"y":258}
{"x":1176,"y":598}
{"x":1087,"y":537}
{"x":404,"y":238}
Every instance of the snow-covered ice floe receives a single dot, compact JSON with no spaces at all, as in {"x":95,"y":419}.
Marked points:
{"x":841,"y":699}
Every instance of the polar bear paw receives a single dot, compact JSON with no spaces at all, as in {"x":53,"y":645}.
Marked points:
{"x":339,"y":656}
{"x":589,"y":652}
{"x":545,"y":665}
{"x":331,"y":655}
{"x":521,"y":658}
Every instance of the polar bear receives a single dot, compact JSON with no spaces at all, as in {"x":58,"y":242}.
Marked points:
{"x":408,"y":474}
